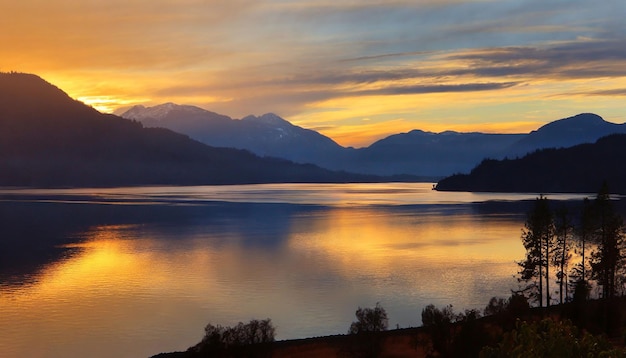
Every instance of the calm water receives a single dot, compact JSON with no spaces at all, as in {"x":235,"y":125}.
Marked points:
{"x":131,"y":272}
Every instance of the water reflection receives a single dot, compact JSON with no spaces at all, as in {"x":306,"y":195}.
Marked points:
{"x":134,"y":280}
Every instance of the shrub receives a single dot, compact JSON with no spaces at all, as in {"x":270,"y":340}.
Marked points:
{"x":370,"y":320}
{"x":550,"y":338}
{"x":218,"y":338}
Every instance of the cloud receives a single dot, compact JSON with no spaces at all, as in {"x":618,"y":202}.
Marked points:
{"x":571,"y":60}
{"x":611,"y":92}
{"x":386,"y":56}
{"x":442,"y":88}
{"x":302,"y":58}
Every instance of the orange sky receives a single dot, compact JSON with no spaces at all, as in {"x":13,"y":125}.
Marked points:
{"x":353,"y":70}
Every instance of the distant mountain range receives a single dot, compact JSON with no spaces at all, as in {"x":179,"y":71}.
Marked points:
{"x":267,"y":135}
{"x":425,"y":154}
{"x":49,"y":139}
{"x":578,"y":169}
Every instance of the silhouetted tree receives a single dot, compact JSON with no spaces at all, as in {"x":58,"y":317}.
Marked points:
{"x":609,"y":237}
{"x":496,"y":305}
{"x":235,"y":341}
{"x":365,"y":341}
{"x":585,"y":235}
{"x":515,"y":305}
{"x":470,"y":336}
{"x":505,"y":312}
{"x":561,"y":251}
{"x":581,"y":291}
{"x":370,"y":320}
{"x":438,"y":324}
{"x":538,"y":240}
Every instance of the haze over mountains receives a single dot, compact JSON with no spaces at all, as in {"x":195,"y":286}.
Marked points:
{"x":418,"y":153}
{"x":49,"y":139}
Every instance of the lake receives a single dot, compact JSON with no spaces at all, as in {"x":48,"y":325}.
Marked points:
{"x":132,"y":272}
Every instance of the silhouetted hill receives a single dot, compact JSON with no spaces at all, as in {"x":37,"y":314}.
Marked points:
{"x":578,"y":169}
{"x":435,"y":154}
{"x":417,"y":152}
{"x":49,"y":139}
{"x":567,"y":132}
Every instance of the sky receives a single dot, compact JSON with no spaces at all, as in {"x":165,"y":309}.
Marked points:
{"x":356,"y":71}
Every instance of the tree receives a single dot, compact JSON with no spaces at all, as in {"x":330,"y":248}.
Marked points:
{"x":370,"y":320}
{"x":218,"y":339}
{"x":561,"y":251}
{"x":496,"y":305}
{"x":365,"y":342}
{"x":438,"y":324}
{"x":538,"y":240}
{"x":608,"y":235}
{"x":585,"y":234}
{"x":514,"y":305}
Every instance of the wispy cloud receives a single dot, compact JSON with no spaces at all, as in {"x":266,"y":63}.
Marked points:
{"x":619,"y":92}
{"x":571,"y":60}
{"x":301,"y":58}
{"x":421,"y":89}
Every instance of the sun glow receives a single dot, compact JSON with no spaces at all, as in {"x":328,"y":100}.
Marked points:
{"x":104,"y":104}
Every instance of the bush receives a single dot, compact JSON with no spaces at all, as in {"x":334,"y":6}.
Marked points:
{"x":550,"y":338}
{"x":516,"y":304}
{"x":218,"y":338}
{"x":370,"y":320}
{"x":495,"y":306}
{"x":434,"y":317}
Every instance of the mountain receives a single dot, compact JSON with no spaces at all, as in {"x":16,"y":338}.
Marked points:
{"x":419,"y":153}
{"x":578,"y":169}
{"x":446,"y":153}
{"x":567,"y":132}
{"x":433,"y":154}
{"x":49,"y":139}
{"x":415,"y":153}
{"x":267,"y":135}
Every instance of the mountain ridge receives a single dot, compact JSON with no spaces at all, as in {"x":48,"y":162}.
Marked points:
{"x":267,"y":135}
{"x":566,"y":132}
{"x":49,"y":139}
{"x":417,"y":152}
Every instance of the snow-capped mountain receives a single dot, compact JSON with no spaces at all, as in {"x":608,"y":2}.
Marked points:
{"x":160,"y":112}
{"x":266,"y":135}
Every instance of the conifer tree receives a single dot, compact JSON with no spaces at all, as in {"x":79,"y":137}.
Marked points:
{"x":608,"y":235}
{"x":561,"y":252}
{"x":584,"y":232}
{"x":538,"y":240}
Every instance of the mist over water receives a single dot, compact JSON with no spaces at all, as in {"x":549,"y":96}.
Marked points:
{"x":133,"y":272}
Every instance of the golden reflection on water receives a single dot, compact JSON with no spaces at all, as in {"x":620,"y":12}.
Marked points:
{"x":434,"y":258}
{"x":95,"y":299}
{"x":136,"y":290}
{"x":378,"y":243}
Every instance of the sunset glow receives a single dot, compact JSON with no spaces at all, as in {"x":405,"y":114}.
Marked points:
{"x":353,"y":70}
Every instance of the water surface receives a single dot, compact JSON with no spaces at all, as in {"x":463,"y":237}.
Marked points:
{"x":131,"y":272}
